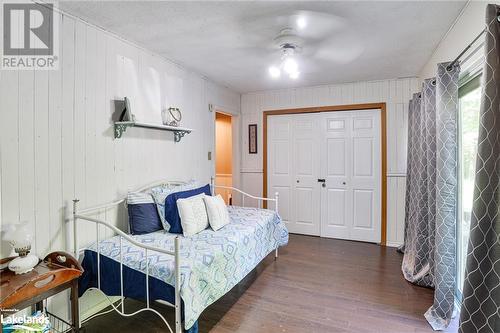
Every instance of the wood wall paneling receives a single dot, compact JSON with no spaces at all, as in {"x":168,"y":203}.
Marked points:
{"x":56,"y":135}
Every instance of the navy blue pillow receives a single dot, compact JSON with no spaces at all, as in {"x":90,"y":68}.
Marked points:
{"x":171,"y":211}
{"x":143,"y":218}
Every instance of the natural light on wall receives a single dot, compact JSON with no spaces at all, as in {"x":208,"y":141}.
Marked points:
{"x":470,"y":100}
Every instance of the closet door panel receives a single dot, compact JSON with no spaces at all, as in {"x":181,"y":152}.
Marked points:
{"x":365,"y":181}
{"x":327,"y":169}
{"x":336,"y":200}
{"x":363,"y":209}
{"x":280,"y":175}
{"x":336,"y":204}
{"x":305,"y":165}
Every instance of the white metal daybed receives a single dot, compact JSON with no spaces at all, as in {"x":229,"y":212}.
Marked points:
{"x":162,"y":261}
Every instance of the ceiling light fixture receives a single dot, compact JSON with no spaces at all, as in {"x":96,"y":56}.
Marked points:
{"x":288,"y":64}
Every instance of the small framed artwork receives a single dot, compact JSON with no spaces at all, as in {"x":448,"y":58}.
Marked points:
{"x":252,"y":139}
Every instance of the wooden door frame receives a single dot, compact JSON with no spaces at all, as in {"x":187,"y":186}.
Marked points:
{"x":349,"y":107}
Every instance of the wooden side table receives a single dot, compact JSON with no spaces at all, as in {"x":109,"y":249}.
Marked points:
{"x":57,"y":272}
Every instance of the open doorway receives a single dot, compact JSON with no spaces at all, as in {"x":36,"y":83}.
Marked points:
{"x":224,"y":154}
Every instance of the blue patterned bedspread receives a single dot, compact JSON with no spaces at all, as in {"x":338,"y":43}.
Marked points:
{"x":212,"y":262}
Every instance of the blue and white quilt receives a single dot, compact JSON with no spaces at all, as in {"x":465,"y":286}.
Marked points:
{"x":212,"y":262}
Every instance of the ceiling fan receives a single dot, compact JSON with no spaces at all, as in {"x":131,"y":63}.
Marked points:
{"x":290,"y":45}
{"x":313,"y":37}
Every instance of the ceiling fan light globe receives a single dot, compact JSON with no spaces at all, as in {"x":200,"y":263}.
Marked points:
{"x":274,"y":72}
{"x":290,"y":65}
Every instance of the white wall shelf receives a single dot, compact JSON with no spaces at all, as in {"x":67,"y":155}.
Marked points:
{"x":179,"y":132}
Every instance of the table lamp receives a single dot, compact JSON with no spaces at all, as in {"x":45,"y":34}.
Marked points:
{"x":20,"y":237}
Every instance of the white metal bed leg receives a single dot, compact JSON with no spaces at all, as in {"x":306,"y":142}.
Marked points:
{"x":276,"y":197}
{"x":75,"y":248}
{"x":121,"y":275}
{"x":178,"y":321}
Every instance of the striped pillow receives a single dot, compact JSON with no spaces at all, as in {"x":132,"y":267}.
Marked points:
{"x":135,"y":198}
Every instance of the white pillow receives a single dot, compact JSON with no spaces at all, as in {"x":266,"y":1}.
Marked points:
{"x":193,"y":214}
{"x":218,"y":216}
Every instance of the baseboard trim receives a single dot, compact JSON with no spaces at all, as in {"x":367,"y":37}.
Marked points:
{"x":393,"y":244}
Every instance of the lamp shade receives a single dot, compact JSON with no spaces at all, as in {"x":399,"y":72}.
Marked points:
{"x":20,"y":237}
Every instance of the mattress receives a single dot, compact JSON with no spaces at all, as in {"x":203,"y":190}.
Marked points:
{"x":211,"y":262}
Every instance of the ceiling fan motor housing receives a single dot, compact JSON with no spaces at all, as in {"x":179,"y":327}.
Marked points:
{"x":288,"y":41}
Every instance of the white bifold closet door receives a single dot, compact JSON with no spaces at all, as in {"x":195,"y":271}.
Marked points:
{"x":327,"y":169}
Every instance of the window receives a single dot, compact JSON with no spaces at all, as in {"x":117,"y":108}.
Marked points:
{"x":470,"y":100}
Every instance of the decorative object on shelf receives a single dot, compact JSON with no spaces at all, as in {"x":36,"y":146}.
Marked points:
{"x":127,"y":114}
{"x":20,"y":238}
{"x":165,"y":116}
{"x":171,"y":117}
{"x":179,"y":132}
{"x":252,"y":139}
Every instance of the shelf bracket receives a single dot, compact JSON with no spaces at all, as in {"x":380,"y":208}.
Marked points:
{"x":120,"y":129}
{"x":178,"y":135}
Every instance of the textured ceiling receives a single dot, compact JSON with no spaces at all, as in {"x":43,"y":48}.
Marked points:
{"x":232,"y":42}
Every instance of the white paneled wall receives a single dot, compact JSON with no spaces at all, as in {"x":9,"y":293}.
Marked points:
{"x":57,"y":136}
{"x":396,"y":93}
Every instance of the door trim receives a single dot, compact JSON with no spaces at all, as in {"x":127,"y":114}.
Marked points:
{"x":348,"y":107}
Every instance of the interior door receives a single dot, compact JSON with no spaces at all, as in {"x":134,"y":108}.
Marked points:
{"x":350,"y":164}
{"x":305,"y":166}
{"x":336,"y":198}
{"x":279,"y":156}
{"x":366,"y":176}
{"x":327,"y":169}
{"x":293,"y":159}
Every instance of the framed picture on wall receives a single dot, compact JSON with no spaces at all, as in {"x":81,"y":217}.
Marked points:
{"x":252,"y":139}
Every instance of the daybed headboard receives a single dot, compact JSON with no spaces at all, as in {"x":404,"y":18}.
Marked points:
{"x":114,"y":213}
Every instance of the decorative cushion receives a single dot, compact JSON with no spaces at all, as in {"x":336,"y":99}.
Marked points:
{"x":193,"y":214}
{"x":161,"y":192}
{"x":172,"y":218}
{"x":218,"y":216}
{"x":143,"y":216}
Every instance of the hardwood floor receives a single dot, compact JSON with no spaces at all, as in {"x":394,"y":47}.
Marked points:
{"x":316,"y":285}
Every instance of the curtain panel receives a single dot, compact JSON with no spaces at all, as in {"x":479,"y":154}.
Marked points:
{"x":480,"y":311}
{"x":420,"y":199}
{"x":441,"y":312}
{"x":431,"y":197}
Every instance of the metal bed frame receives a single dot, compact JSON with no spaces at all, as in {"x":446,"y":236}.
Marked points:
{"x":83,"y":215}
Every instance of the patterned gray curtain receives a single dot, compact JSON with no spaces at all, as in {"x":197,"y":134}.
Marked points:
{"x":440,"y":313}
{"x":420,"y":191}
{"x":481,"y":292}
{"x":431,"y":200}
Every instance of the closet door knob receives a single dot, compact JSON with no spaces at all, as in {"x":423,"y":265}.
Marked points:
{"x":343,"y":183}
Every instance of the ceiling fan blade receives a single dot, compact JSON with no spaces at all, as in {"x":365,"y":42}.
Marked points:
{"x":339,"y":49}
{"x":316,"y":25}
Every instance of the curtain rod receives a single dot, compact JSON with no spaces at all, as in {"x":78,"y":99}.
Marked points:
{"x":450,"y":66}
